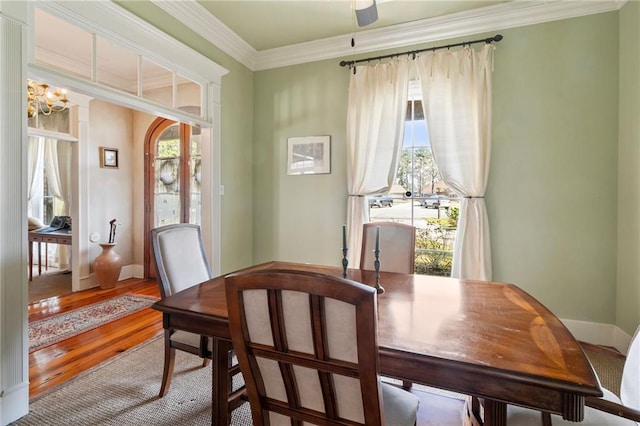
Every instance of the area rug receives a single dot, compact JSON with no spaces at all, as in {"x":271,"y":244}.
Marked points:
{"x":124,"y":391}
{"x":50,"y":330}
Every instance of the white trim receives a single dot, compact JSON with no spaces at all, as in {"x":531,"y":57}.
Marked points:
{"x":196,"y":17}
{"x":14,"y":366}
{"x":31,"y":131}
{"x":14,"y":403}
{"x":112,"y":21}
{"x":490,"y":18}
{"x":108,"y":94}
{"x":599,"y":334}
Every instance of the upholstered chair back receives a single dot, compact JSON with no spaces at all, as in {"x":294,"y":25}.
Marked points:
{"x":180,"y":257}
{"x":397,"y":247}
{"x":307,"y":348}
{"x":630,"y":386}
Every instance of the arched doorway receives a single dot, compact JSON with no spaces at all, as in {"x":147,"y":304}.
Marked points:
{"x":173,"y":160}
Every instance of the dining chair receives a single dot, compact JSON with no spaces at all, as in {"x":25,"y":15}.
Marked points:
{"x":307,"y":348}
{"x":180,"y":263}
{"x":397,"y":247}
{"x":397,"y":251}
{"x":608,"y":410}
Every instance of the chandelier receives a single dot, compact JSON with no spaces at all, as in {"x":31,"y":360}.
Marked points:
{"x":40,"y":99}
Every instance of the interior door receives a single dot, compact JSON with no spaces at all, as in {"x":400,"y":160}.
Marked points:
{"x":172,"y":179}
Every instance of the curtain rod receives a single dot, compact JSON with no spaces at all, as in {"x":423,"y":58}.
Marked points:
{"x":495,"y":38}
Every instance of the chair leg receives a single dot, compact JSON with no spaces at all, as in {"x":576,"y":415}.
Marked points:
{"x":169,"y":361}
{"x":406,"y":385}
{"x":205,"y":362}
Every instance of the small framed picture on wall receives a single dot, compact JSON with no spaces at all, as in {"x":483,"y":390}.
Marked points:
{"x":108,"y":157}
{"x":309,"y":155}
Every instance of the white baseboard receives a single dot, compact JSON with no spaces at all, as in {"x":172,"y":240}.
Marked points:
{"x":599,"y":334}
{"x":131,"y":271}
{"x":128,"y":271}
{"x":14,"y":403}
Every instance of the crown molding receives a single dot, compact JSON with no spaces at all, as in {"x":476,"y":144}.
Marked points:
{"x":490,"y":18}
{"x":203,"y":23}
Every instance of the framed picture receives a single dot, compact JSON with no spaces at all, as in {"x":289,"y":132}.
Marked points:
{"x":109,"y":157}
{"x":309,"y":155}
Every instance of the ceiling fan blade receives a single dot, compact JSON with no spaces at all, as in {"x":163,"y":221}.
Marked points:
{"x":367,"y":15}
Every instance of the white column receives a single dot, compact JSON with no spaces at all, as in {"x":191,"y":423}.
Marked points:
{"x":211,"y":180}
{"x":80,"y":264}
{"x":14,"y":369}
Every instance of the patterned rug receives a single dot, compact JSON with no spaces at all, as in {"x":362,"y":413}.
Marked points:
{"x":50,"y":330}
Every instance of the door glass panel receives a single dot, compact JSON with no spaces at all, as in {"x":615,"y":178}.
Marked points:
{"x":195,"y":179}
{"x":167,"y":177}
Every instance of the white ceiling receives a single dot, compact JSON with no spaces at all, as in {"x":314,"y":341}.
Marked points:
{"x":270,"y":24}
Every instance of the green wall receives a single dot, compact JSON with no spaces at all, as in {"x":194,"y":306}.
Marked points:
{"x":299,"y":218}
{"x":564,"y":192}
{"x":628,"y":289}
{"x":552,"y":190}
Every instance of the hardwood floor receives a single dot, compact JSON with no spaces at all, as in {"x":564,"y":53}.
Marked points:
{"x":53,"y":365}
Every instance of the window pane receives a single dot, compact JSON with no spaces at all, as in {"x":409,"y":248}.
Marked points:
{"x":188,"y":94}
{"x":157,"y":83}
{"x":57,"y":121}
{"x":195,"y":179}
{"x":116,"y":66}
{"x":52,"y":47}
{"x":420,"y":198}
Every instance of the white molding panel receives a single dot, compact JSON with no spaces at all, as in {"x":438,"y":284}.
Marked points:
{"x":14,"y":368}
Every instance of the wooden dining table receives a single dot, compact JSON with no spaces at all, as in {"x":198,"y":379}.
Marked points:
{"x":486,"y":339}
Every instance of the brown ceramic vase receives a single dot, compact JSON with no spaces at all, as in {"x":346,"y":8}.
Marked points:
{"x":107,"y":266}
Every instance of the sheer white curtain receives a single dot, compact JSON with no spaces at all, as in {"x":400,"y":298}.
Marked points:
{"x":456,"y":93}
{"x":375,"y":125}
{"x":63,"y":151}
{"x":57,"y":167}
{"x":35,"y":154}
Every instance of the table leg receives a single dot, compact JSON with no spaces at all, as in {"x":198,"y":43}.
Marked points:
{"x":39,"y":259}
{"x":220,"y":383}
{"x":30,"y":260}
{"x":495,"y":413}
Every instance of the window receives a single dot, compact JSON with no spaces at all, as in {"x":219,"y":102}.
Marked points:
{"x":419,"y":197}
